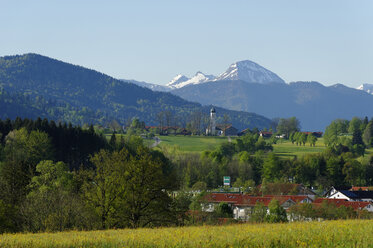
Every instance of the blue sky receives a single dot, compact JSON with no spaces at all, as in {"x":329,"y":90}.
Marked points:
{"x":326,"y":41}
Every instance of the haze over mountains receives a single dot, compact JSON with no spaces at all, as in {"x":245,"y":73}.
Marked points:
{"x":247,"y":86}
{"x":32,"y":85}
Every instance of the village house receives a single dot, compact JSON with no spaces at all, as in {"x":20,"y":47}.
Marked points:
{"x":349,"y":195}
{"x":243,"y":209}
{"x":359,"y":205}
{"x":265,"y":134}
{"x":226,"y":130}
{"x":243,"y":204}
{"x":211,"y":201}
{"x":285,"y":189}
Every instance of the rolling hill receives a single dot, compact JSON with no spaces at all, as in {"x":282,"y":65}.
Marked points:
{"x":62,"y":91}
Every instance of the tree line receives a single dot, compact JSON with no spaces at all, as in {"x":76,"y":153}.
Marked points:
{"x":57,"y":177}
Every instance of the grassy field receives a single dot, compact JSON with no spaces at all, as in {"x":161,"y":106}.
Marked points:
{"x":199,"y":144}
{"x":349,"y":233}
{"x":193,"y":143}
{"x":283,"y":148}
{"x":288,"y":150}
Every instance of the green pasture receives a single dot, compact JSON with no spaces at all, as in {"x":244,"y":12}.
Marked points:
{"x":192,"y":143}
{"x":283,"y":148}
{"x":286,"y":149}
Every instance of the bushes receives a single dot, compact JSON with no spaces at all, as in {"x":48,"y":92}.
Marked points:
{"x":326,"y":211}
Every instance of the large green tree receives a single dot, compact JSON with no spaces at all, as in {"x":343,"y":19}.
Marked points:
{"x":276,"y":212}
{"x":287,"y":126}
{"x":130,"y":189}
{"x":147,"y":178}
{"x":103,"y":187}
{"x":50,"y":204}
{"x":22,"y":152}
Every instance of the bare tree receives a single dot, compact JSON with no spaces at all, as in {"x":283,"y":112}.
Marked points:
{"x":160,"y":119}
{"x":226,"y":120}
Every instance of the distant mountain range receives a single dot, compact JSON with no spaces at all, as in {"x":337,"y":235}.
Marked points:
{"x":245,"y":70}
{"x":32,"y":85}
{"x":180,"y":80}
{"x":247,"y":86}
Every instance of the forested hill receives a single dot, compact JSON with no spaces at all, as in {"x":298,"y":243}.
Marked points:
{"x":37,"y":85}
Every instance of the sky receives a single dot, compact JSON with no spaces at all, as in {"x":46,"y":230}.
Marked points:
{"x":153,"y":41}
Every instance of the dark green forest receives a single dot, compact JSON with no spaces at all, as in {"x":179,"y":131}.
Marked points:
{"x":33,"y":85}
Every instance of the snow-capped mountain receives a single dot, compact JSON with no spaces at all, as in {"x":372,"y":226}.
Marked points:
{"x":177,"y":80}
{"x":249,"y":71}
{"x":366,"y":87}
{"x":245,"y":70}
{"x":198,"y":78}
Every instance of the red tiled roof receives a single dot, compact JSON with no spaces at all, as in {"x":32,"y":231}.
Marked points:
{"x":266,"y":133}
{"x":249,"y":200}
{"x":253,"y":200}
{"x":295,"y":198}
{"x":356,"y":188}
{"x":321,"y":200}
{"x":223,"y":197}
{"x":341,"y":202}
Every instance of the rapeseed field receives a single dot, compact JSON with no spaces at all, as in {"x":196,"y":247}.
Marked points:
{"x":348,"y":233}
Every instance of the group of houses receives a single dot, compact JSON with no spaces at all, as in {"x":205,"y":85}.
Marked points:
{"x":243,"y":204}
{"x":213,"y":129}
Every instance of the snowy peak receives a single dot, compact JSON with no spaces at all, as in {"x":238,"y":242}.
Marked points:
{"x":198,"y":78}
{"x":177,"y":80}
{"x":366,"y":87}
{"x":249,"y":71}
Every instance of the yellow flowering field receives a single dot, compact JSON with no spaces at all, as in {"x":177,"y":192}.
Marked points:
{"x":349,"y":233}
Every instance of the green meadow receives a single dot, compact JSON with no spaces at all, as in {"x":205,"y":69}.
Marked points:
{"x":192,"y":143}
{"x":198,"y":144}
{"x":286,"y":149}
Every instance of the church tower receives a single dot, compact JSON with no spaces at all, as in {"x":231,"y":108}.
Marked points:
{"x":212,"y":121}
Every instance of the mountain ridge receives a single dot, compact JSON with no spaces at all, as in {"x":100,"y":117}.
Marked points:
{"x":249,"y":71}
{"x":312,"y":103}
{"x":76,"y":88}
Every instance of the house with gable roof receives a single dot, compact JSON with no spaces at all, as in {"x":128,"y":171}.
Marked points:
{"x":350,"y":195}
{"x":211,"y":201}
{"x":243,"y":204}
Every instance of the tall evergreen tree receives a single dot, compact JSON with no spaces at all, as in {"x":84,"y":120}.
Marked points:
{"x":368,"y":134}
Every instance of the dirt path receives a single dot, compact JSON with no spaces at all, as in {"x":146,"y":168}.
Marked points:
{"x":157,"y":141}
